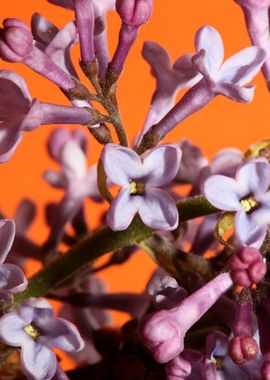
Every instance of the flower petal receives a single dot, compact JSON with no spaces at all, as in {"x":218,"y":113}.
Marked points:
{"x":62,"y":334}
{"x":74,"y":160}
{"x":254,"y":176}
{"x":24,"y":216}
{"x":157,"y":57}
{"x":7,"y":234}
{"x":121,"y":164}
{"x":222,"y":192}
{"x":12,"y":330}
{"x":158,"y":210}
{"x":226,"y":161}
{"x":237,"y":93}
{"x":208,"y":39}
{"x":56,"y":179}
{"x":34,"y":309}
{"x":42,"y":29}
{"x":38,"y":361}
{"x":242,"y":67}
{"x":63,"y":3}
{"x":122,"y":210}
{"x":10,"y":137}
{"x":161,"y":164}
{"x":248,"y":231}
{"x":12,"y":278}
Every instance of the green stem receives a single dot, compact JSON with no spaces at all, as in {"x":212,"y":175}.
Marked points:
{"x":101,"y":243}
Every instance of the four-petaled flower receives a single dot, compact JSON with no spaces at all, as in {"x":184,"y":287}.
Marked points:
{"x":248,"y":195}
{"x":140,"y":180}
{"x":35,"y":329}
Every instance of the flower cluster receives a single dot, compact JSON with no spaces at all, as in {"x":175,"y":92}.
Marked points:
{"x":205,"y":311}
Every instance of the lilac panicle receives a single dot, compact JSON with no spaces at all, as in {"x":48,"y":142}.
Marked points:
{"x":77,"y":181}
{"x":170,"y":78}
{"x":257,"y":20}
{"x":227,"y":79}
{"x":12,"y":278}
{"x":35,"y":329}
{"x":16,"y":45}
{"x":133,"y":13}
{"x":247,"y":267}
{"x":85,"y":22}
{"x":163,"y":332}
{"x":248,"y":195}
{"x":140,"y":180}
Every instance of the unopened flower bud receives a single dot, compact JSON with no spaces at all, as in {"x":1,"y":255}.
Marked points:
{"x":16,"y":40}
{"x":243,"y":349}
{"x":134,"y":12}
{"x":247,"y":267}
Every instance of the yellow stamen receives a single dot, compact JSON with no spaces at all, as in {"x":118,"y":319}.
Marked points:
{"x":136,"y":188}
{"x":249,"y":203}
{"x":218,"y":362}
{"x":32,"y":331}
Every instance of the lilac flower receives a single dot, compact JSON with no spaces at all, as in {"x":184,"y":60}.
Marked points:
{"x":226,"y":79}
{"x":134,"y":13}
{"x":12,"y":278}
{"x":77,"y":181}
{"x":140,"y":181}
{"x":248,"y":196}
{"x":163,"y":332}
{"x":257,"y":19}
{"x":247,"y":267}
{"x":35,"y":329}
{"x":20,"y":113}
{"x":16,"y":45}
{"x":170,"y":79}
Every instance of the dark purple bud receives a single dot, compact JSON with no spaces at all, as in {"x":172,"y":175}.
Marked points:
{"x":16,"y":40}
{"x":247,"y":267}
{"x":243,"y":349}
{"x":134,"y":12}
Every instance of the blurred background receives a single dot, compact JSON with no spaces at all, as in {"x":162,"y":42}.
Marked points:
{"x":222,"y":124}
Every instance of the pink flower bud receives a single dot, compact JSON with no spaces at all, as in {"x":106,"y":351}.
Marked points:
{"x":16,"y":40}
{"x":243,"y":349}
{"x":134,"y":12}
{"x":247,"y":267}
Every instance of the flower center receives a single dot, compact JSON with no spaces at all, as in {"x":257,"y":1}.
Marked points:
{"x":218,"y":362}
{"x":249,"y":203}
{"x":136,"y":188}
{"x":32,"y":331}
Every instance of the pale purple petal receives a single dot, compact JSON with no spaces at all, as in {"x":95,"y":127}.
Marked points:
{"x":42,"y":29}
{"x":33,"y":118}
{"x":122,"y":210}
{"x":12,"y":330}
{"x":188,"y":74}
{"x":158,"y":210}
{"x":24,"y":215}
{"x":242,"y":67}
{"x":254,"y":176}
{"x":7,"y":234}
{"x":235,"y":92}
{"x":222,"y":192}
{"x":12,"y":278}
{"x":63,"y":3}
{"x":248,"y":231}
{"x":56,"y":179}
{"x":38,"y":361}
{"x":13,"y":140}
{"x":62,"y":334}
{"x":35,"y":308}
{"x":121,"y":164}
{"x":15,"y":85}
{"x":161,"y":164}
{"x":74,"y":160}
{"x":92,"y":186}
{"x":226,"y":161}
{"x":208,"y":39}
{"x":157,"y":57}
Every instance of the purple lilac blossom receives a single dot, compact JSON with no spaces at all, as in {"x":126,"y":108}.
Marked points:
{"x":170,"y":79}
{"x":20,"y":113}
{"x":257,"y":20}
{"x":12,"y":278}
{"x":36,"y":330}
{"x":17,"y":45}
{"x":68,"y":148}
{"x":226,"y":79}
{"x":163,"y":332}
{"x":248,"y":195}
{"x":134,"y":14}
{"x":140,"y":180}
{"x":247,"y":267}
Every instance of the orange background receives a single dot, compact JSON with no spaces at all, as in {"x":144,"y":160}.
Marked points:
{"x":223,"y":123}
